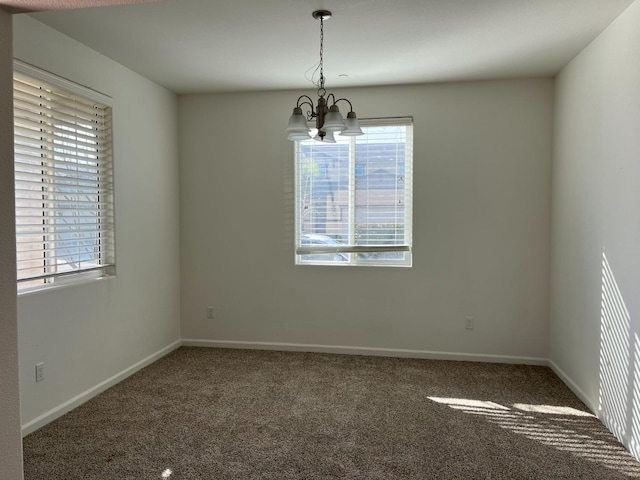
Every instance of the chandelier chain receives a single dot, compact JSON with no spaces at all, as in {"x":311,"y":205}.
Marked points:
{"x":321,"y":85}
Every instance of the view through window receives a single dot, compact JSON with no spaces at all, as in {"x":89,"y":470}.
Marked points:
{"x":354,"y":197}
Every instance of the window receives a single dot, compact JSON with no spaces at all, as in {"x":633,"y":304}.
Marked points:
{"x":63,"y":179}
{"x":353,"y":197}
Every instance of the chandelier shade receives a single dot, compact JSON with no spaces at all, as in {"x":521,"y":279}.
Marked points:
{"x":328,"y":119}
{"x":298,"y":137}
{"x":327,"y":138}
{"x":352,"y":126}
{"x":333,"y":121}
{"x":298,"y":128}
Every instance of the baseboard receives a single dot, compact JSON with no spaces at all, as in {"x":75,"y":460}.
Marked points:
{"x":573,"y":386}
{"x":381,"y":352}
{"x":78,"y":400}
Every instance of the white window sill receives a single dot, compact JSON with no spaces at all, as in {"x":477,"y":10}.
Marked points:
{"x":73,"y":280}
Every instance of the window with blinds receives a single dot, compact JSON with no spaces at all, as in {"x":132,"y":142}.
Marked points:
{"x":63,"y":178}
{"x":354,"y":197}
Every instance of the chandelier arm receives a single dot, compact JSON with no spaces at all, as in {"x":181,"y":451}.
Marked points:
{"x":344,"y":100}
{"x":309,"y":101}
{"x":312,"y":113}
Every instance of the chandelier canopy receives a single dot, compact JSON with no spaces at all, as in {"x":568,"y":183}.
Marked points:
{"x":329,"y":120}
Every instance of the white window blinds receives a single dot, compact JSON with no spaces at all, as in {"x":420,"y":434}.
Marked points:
{"x":354,"y":197}
{"x":63,"y":177}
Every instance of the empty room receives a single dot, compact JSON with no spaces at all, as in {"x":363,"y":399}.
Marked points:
{"x":319,"y":239}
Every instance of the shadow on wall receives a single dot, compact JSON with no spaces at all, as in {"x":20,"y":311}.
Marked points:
{"x":619,"y":395}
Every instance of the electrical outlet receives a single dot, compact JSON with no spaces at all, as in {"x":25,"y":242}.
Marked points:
{"x":468,"y":323}
{"x":39,"y":372}
{"x":209,"y":312}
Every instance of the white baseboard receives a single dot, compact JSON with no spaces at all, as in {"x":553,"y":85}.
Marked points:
{"x":78,"y":400}
{"x":573,"y":386}
{"x":381,"y":352}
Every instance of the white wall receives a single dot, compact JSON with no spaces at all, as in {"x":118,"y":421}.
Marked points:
{"x":596,"y":227}
{"x":482,"y":184}
{"x":87,"y":334}
{"x":10,"y":439}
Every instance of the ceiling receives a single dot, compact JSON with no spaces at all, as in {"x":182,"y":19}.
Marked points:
{"x":21,"y":6}
{"x":235,"y":45}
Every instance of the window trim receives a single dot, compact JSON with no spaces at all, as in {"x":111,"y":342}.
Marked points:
{"x":59,"y":279}
{"x":337,"y":249}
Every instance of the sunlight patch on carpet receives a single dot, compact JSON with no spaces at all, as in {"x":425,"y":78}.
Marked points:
{"x":549,"y":425}
{"x":552,"y":410}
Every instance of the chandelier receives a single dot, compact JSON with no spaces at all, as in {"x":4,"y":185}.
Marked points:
{"x":329,"y":120}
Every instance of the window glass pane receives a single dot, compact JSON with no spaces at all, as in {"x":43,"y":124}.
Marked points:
{"x":380,"y":193}
{"x":323,"y":177}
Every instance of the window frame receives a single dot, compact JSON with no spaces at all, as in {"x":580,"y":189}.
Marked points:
{"x":356,"y":171}
{"x":94,"y":166}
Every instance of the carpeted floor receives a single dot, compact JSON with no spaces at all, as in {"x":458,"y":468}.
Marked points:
{"x":240,"y":414}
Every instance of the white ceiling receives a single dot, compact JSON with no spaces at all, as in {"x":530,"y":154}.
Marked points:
{"x":234,"y":45}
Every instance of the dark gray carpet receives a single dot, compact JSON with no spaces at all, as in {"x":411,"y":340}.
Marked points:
{"x":239,"y":414}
